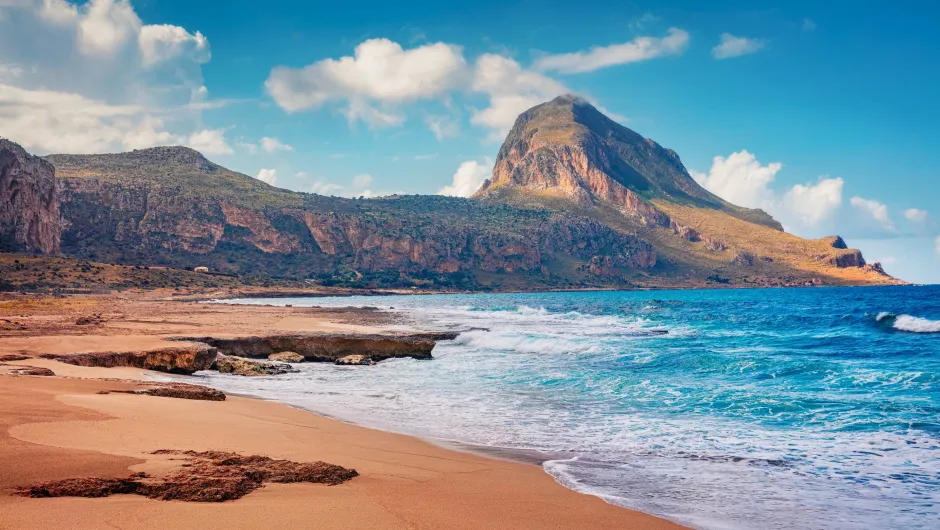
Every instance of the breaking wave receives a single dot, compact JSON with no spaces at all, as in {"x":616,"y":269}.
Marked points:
{"x":908,"y":323}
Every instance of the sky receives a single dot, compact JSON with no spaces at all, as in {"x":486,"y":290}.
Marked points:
{"x":822,"y":113}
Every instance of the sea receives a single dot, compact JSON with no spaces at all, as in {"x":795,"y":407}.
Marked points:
{"x":718,"y":409}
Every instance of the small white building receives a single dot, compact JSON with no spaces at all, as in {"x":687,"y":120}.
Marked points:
{"x":201,"y":269}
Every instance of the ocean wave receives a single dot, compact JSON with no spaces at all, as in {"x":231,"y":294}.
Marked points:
{"x":908,"y":323}
{"x":916,"y":324}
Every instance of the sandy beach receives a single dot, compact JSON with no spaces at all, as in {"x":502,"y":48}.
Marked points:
{"x":60,"y":427}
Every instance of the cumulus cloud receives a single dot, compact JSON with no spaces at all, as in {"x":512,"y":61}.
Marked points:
{"x":511,"y":90}
{"x":639,"y":49}
{"x":104,"y":26}
{"x":468,"y":178}
{"x":741,"y":179}
{"x":210,"y":142}
{"x":731,"y":46}
{"x":813,"y":203}
{"x":91,"y":77}
{"x":875,"y":210}
{"x":163,"y":42}
{"x":379,"y":71}
{"x":273,"y":145}
{"x":268,"y":176}
{"x":915,"y":215}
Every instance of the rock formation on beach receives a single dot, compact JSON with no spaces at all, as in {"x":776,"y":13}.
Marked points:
{"x":207,"y":476}
{"x":182,"y":359}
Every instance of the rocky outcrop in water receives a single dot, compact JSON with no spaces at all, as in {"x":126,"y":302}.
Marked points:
{"x":29,"y":203}
{"x":286,"y":357}
{"x":329,"y":347}
{"x":229,"y":364}
{"x":183,"y":359}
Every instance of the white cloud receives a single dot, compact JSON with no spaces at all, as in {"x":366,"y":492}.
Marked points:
{"x":90,"y":77}
{"x":742,"y":180}
{"x":442,"y":126}
{"x":379,"y":71}
{"x":425,"y":157}
{"x":272,"y":145}
{"x":324,"y":188}
{"x":731,"y":46}
{"x":915,"y":215}
{"x":268,"y":176}
{"x":362,"y":181}
{"x":468,"y":178}
{"x":639,"y":49}
{"x":210,"y":142}
{"x":10,"y":70}
{"x":59,"y":11}
{"x":376,"y":119}
{"x":875,"y":210}
{"x":813,"y":203}
{"x":511,"y":89}
{"x":163,"y":42}
{"x":104,"y":26}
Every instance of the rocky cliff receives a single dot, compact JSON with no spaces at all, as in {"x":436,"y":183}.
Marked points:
{"x":170,"y":206}
{"x":29,"y":207}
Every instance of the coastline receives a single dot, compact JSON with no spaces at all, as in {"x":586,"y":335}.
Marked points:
{"x":60,"y":427}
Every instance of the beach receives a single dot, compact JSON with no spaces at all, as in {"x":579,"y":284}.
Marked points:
{"x":60,"y":427}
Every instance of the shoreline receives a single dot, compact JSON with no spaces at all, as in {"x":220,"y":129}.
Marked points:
{"x":404,"y":482}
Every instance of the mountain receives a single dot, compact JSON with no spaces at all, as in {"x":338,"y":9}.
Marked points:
{"x":567,"y":155}
{"x":567,"y":148}
{"x":575,"y":201}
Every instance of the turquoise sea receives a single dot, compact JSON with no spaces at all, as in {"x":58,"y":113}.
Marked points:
{"x":796,"y":408}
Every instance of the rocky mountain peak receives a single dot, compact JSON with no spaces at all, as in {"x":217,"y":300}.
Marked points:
{"x":567,"y":148}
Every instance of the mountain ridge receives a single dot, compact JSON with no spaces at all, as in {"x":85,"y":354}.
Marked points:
{"x":569,"y":206}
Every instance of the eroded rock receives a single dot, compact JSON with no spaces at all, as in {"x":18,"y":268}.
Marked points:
{"x":355,"y":359}
{"x":286,"y":357}
{"x":229,"y":364}
{"x":32,"y":370}
{"x":209,"y":476}
{"x":328,"y":347}
{"x":174,"y":390}
{"x":178,"y":360}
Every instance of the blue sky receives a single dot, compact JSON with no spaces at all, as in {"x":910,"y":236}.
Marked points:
{"x":823,"y":113}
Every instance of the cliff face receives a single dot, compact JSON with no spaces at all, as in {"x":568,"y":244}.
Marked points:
{"x":173,"y":208}
{"x":29,"y":207}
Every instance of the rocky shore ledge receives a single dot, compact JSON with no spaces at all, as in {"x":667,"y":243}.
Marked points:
{"x":232,"y":354}
{"x":330,"y":347}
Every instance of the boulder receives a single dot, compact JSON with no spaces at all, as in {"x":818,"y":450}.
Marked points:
{"x":355,"y":360}
{"x":286,"y":357}
{"x":228,"y":364}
